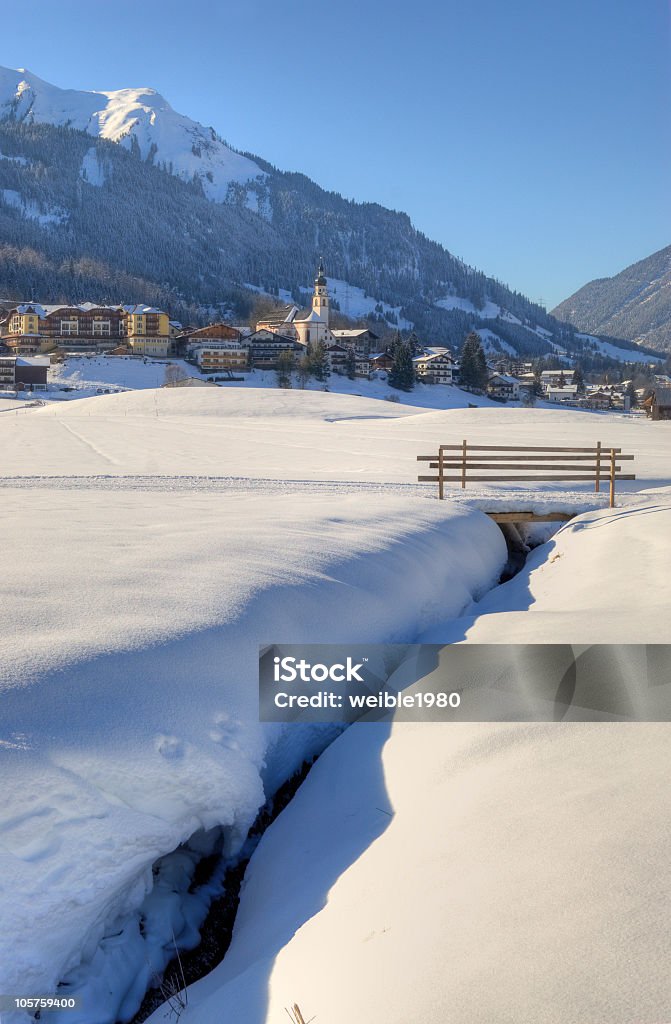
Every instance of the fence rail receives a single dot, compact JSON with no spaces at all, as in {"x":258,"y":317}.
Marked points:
{"x":456,"y":462}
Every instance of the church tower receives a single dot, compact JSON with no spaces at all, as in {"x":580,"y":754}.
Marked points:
{"x":320,"y":299}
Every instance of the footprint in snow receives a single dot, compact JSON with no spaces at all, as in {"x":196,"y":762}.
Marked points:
{"x":169,"y":747}
{"x":225,"y":731}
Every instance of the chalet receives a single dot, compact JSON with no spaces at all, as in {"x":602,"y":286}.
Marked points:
{"x":504,"y":387}
{"x":381,"y":361}
{"x":658,"y":405}
{"x":435,"y":366}
{"x":602,"y":399}
{"x":265,"y":347}
{"x":363,"y":340}
{"x":215,"y":347}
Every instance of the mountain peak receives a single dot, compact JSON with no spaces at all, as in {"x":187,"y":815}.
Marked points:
{"x":131,"y":116}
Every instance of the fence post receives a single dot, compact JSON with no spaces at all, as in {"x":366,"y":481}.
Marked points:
{"x":612,"y":478}
{"x":597,"y":482}
{"x":441,"y":485}
{"x":463,"y":464}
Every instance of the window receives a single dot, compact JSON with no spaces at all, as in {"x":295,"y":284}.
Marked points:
{"x":101,"y":327}
{"x":69,"y":327}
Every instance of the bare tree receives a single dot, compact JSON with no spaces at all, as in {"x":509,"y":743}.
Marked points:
{"x":174,"y":374}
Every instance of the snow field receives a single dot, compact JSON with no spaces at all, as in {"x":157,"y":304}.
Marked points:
{"x":129,"y":663}
{"x":129,"y":724}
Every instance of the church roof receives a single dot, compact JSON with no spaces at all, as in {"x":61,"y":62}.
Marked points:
{"x":311,"y":318}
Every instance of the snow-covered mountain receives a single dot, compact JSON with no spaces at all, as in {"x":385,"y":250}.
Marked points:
{"x":634,"y":304}
{"x":139,"y":118}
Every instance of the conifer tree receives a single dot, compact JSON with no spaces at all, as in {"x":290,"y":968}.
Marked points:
{"x":285,"y":364}
{"x":579,"y":378}
{"x":350,"y":364}
{"x":402,"y":372}
{"x":318,"y":361}
{"x":473,"y":368}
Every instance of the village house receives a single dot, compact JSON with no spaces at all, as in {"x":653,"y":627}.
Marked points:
{"x":556,"y":378}
{"x":566,"y":395}
{"x":381,"y":362}
{"x":215,"y":347}
{"x":24,"y":373}
{"x":658,"y":405}
{"x":435,"y":366}
{"x":337,"y":358}
{"x":7,"y":372}
{"x":362,"y":367}
{"x":363,"y":340}
{"x":503,"y":386}
{"x":601,"y":399}
{"x":225,"y":356}
{"x":266,"y":346}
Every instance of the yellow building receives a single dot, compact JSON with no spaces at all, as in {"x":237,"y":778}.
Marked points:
{"x":148,"y":331}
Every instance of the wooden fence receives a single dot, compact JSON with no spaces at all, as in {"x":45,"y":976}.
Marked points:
{"x":473,"y":463}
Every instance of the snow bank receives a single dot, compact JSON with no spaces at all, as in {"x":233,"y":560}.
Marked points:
{"x":128,"y":662}
{"x":603,"y":578}
{"x":470,"y":872}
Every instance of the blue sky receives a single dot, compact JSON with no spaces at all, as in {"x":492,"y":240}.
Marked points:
{"x":531,"y":137}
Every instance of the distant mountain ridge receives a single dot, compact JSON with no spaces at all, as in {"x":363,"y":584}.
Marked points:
{"x":634,"y":304}
{"x":113,"y":196}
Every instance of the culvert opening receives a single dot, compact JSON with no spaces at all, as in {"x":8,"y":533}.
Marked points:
{"x":521,"y":538}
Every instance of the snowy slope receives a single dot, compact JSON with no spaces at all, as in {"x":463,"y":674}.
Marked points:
{"x":607,"y":348}
{"x":130,"y":117}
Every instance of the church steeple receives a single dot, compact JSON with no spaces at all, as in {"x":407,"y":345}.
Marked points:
{"x":320,"y":299}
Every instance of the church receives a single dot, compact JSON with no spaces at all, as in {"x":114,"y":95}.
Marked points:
{"x":310,"y":329}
